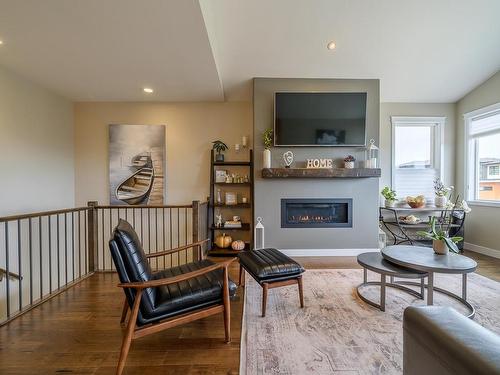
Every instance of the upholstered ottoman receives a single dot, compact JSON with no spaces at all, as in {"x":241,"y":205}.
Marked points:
{"x":271,"y":269}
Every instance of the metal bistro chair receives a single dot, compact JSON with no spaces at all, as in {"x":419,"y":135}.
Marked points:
{"x":168,"y":298}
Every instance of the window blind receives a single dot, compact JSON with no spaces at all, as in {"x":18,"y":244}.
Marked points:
{"x":485,"y":124}
{"x":415,"y":181}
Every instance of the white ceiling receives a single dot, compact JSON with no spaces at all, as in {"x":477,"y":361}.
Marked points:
{"x":421,"y":50}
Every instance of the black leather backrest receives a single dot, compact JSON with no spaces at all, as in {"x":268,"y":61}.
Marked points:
{"x":130,"y":261}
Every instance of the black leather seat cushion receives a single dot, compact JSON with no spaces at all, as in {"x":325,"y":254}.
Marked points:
{"x":169,"y":300}
{"x":181,"y":296}
{"x":269,"y":264}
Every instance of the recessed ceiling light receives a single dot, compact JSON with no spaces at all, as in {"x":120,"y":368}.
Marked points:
{"x":331,"y":45}
{"x":1,"y":42}
{"x":148,"y":90}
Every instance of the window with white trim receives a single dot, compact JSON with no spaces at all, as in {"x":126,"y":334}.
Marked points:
{"x":416,"y":155}
{"x":483,"y":155}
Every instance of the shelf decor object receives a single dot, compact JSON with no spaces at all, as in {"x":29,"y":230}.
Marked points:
{"x":259,"y":234}
{"x":371,"y":159}
{"x":224,"y":203}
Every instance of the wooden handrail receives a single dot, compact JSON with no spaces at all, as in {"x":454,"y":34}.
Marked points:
{"x":43,"y":213}
{"x":170,"y":280}
{"x":166,"y":252}
{"x":12,"y":275}
{"x":122,"y":206}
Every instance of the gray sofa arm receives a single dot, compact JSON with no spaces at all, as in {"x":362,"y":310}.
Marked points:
{"x":440,"y":340}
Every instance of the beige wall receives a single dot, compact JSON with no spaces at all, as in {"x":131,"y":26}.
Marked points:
{"x":36,"y":147}
{"x":417,"y":109}
{"x":191,"y":127}
{"x":482,"y":225}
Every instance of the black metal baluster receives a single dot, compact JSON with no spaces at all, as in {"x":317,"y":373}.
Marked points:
{"x":85,"y":215}
{"x":171,"y":237}
{"x":66,"y":247}
{"x":31,"y":259}
{"x":58,"y":253}
{"x":163,"y":233}
{"x":40,"y":248}
{"x":7,"y":278}
{"x":185,"y":233}
{"x":102,"y":217}
{"x":110,"y":228}
{"x":156,"y":236}
{"x":73,"y":243}
{"x":142,"y":225}
{"x":79,"y":244}
{"x":50,"y":254}
{"x":149,"y":230}
{"x":19,"y":265}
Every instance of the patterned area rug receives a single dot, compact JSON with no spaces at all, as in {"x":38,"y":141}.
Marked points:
{"x":336,"y":332}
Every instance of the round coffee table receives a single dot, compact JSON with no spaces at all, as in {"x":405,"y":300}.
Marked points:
{"x":424,"y":259}
{"x":376,"y":263}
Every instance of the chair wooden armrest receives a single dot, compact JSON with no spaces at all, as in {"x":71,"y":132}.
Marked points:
{"x":177,"y":249}
{"x":176,"y":279}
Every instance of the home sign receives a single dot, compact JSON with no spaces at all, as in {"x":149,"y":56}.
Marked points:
{"x":319,"y":163}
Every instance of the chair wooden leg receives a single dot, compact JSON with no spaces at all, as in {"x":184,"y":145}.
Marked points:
{"x":127,"y":340}
{"x":124,"y":312}
{"x":242,"y":274}
{"x":301,"y":291}
{"x":227,"y":306}
{"x":265,"y":287}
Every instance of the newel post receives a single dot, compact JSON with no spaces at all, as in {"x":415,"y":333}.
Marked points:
{"x":196,"y":229}
{"x":92,"y":235}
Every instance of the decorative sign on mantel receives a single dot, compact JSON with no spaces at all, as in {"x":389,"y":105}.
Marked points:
{"x":319,"y":163}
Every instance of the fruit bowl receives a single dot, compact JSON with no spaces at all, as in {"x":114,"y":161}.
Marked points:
{"x":416,"y":202}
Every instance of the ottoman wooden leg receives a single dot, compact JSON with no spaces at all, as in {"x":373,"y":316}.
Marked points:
{"x":301,"y":291}
{"x":264,"y":298}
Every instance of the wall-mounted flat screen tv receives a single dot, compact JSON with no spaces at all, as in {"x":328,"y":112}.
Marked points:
{"x":320,"y":119}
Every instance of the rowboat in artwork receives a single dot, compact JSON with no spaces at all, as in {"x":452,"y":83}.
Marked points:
{"x":140,"y":160}
{"x":136,"y":187}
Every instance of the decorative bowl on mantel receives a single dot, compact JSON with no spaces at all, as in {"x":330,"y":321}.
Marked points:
{"x":416,"y":202}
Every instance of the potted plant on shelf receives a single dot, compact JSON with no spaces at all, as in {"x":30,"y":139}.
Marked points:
{"x":390,"y":197}
{"x":219,"y":147}
{"x":442,"y":193}
{"x":267,"y":139}
{"x":441,"y":242}
{"x":349,"y":162}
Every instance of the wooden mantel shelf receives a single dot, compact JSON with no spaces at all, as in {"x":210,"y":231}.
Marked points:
{"x":320,"y":173}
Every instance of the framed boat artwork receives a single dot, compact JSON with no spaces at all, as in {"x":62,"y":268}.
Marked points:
{"x":137,"y":164}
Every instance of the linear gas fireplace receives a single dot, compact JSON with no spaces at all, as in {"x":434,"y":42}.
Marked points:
{"x":316,"y":213}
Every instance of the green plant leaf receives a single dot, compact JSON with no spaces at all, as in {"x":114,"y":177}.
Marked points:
{"x":451,"y":245}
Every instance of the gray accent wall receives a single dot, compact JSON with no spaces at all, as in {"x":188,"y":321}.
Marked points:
{"x":268,"y":192}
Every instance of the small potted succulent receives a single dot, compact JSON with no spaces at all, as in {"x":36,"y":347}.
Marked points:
{"x":219,"y":147}
{"x":442,"y":193}
{"x":267,"y":140}
{"x":390,"y":197}
{"x":349,"y":162}
{"x":441,"y":242}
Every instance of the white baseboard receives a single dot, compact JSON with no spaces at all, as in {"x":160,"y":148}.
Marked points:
{"x":482,"y":250}
{"x":326,"y":252}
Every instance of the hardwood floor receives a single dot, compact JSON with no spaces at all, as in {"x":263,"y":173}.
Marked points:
{"x":78,"y":332}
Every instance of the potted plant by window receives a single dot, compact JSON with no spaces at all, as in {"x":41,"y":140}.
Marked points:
{"x":442,"y":193}
{"x":390,"y":197}
{"x":267,"y":139}
{"x":441,"y":242}
{"x":349,"y":162}
{"x":219,"y":147}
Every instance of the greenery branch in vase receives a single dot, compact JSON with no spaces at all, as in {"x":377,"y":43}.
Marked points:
{"x":441,"y":242}
{"x":267,"y":140}
{"x":442,"y":193}
{"x":390,"y":197}
{"x":219,"y":147}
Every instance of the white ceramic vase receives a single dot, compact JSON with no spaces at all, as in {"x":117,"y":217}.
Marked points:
{"x":349,"y":164}
{"x":439,"y":247}
{"x":266,"y":158}
{"x":440,"y":201}
{"x":390,"y":203}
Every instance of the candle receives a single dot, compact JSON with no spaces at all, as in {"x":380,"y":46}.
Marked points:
{"x":244,"y":141}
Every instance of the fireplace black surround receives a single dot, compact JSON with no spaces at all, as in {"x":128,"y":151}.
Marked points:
{"x":316,"y":213}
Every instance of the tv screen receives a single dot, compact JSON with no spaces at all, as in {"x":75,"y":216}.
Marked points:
{"x":319,"y":119}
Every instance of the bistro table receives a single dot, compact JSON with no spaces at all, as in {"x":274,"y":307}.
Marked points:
{"x":424,"y":259}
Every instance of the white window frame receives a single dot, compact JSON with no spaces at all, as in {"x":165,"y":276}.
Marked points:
{"x":471,"y":175}
{"x":437,"y":123}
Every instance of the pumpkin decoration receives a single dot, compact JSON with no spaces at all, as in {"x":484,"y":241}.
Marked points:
{"x":238,"y":245}
{"x":223,"y":241}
